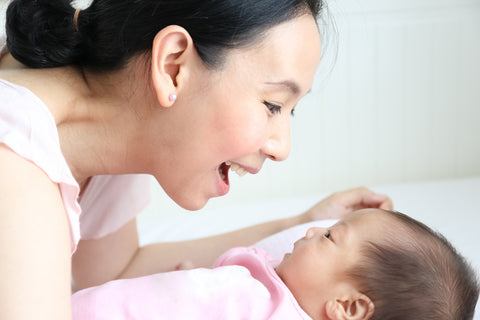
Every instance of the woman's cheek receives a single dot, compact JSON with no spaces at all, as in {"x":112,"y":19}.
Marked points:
{"x":254,"y":138}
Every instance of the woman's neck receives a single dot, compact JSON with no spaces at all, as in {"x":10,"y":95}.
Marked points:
{"x":98,"y":115}
{"x":103,"y":124}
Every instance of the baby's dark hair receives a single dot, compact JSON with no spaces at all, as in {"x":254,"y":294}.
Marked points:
{"x":415,"y":273}
{"x":42,"y":34}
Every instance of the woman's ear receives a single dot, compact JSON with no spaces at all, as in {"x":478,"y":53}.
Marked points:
{"x":170,"y":51}
{"x":358,"y":307}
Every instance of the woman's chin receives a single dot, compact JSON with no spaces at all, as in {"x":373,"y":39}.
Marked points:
{"x":191,"y":204}
{"x":193,"y":199}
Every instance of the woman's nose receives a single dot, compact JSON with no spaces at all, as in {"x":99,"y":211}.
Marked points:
{"x":277,"y":146}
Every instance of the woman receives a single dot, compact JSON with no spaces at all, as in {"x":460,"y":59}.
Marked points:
{"x":183,"y":91}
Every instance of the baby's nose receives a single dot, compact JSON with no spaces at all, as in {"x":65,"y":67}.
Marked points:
{"x":312,"y":231}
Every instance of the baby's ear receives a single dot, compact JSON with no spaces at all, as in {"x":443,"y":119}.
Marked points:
{"x":358,"y":307}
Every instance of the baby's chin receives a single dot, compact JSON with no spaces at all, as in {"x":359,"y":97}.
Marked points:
{"x":280,"y":267}
{"x":285,"y":258}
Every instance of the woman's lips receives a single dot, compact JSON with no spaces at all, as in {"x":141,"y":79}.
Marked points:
{"x":241,"y":170}
{"x":222,"y":179}
{"x":222,"y":176}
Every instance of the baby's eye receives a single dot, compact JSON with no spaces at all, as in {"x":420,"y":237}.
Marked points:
{"x":272,"y":107}
{"x":327,"y":234}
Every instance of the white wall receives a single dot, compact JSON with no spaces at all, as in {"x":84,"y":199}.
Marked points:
{"x":3,"y":8}
{"x":403,"y":101}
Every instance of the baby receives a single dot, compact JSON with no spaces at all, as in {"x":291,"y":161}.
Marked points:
{"x":374,"y":264}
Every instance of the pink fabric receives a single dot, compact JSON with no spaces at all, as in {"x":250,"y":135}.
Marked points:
{"x":109,"y":202}
{"x":242,"y":285}
{"x":28,"y":128}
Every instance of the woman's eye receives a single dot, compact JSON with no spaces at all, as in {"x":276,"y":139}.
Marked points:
{"x":273,"y":108}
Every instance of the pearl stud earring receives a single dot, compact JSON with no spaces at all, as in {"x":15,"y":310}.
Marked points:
{"x":172,"y":97}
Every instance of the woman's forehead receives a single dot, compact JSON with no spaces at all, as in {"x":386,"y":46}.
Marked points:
{"x":287,"y":56}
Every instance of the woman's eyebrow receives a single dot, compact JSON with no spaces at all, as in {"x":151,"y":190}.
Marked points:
{"x":292,"y":86}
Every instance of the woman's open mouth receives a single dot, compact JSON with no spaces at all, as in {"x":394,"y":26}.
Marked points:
{"x":223,"y":171}
{"x":226,"y":166}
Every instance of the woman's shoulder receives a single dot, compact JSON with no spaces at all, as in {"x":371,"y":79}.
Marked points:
{"x":24,"y":184}
{"x":27,"y":126}
{"x":33,"y":226}
{"x":28,"y":130}
{"x":14,"y":92}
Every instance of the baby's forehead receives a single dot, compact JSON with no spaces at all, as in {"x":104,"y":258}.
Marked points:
{"x":370,"y":215}
{"x":372,"y":221}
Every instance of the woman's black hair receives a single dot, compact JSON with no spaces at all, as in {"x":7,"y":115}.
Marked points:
{"x":42,"y":33}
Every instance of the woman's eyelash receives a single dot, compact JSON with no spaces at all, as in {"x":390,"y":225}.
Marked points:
{"x":273,"y":108}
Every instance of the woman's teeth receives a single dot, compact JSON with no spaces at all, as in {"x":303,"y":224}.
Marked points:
{"x":236,"y":168}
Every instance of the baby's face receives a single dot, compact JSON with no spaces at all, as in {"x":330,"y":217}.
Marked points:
{"x":315,"y":272}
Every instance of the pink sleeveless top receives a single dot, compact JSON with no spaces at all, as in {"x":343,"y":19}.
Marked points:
{"x":109,"y":202}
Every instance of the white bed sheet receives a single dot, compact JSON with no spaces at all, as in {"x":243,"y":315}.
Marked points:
{"x":448,"y":206}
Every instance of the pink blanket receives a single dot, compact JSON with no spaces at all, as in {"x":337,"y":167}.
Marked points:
{"x":242,"y":285}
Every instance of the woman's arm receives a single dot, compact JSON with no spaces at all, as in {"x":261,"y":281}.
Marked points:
{"x":34,"y":243}
{"x":203,"y":252}
{"x":118,"y":255}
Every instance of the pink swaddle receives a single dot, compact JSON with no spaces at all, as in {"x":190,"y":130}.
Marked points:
{"x":242,"y":285}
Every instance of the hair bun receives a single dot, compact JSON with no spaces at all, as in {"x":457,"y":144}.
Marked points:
{"x":41,"y":34}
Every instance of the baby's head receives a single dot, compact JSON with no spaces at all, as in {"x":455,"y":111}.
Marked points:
{"x":377,"y":264}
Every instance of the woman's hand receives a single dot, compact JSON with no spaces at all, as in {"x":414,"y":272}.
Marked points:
{"x":339,"y":204}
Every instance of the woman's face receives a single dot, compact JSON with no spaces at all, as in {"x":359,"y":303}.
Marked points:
{"x":238,"y":116}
